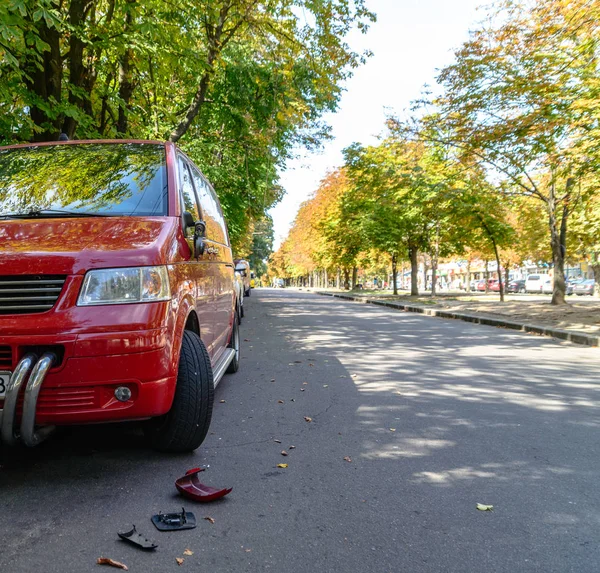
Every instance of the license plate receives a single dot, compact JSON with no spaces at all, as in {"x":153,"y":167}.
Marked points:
{"x":4,"y":378}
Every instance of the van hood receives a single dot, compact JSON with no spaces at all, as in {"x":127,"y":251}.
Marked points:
{"x":74,"y":245}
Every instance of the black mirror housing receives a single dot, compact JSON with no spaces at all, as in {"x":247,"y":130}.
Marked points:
{"x":188,"y":220}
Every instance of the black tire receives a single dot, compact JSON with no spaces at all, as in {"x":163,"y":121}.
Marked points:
{"x":186,"y":424}
{"x":240,"y":312}
{"x":234,"y":343}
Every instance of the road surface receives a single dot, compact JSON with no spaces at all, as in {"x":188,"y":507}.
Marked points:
{"x":414,"y":420}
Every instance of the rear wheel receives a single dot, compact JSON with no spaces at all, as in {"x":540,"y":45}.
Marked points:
{"x":186,"y":424}
{"x":234,"y":343}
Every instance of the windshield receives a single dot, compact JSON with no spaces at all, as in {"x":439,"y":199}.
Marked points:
{"x":75,"y":180}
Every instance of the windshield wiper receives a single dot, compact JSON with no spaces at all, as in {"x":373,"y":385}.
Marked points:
{"x":46,"y":213}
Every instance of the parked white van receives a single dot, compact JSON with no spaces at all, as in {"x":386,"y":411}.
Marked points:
{"x":535,"y":283}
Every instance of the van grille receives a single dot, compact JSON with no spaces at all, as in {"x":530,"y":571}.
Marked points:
{"x":26,"y":294}
{"x":5,"y":357}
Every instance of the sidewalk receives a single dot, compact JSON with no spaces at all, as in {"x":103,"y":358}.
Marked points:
{"x":578,"y":321}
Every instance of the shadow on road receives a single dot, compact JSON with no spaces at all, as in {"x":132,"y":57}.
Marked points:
{"x":434,"y":415}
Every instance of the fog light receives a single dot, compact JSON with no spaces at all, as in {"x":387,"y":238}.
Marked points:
{"x":122,"y":393}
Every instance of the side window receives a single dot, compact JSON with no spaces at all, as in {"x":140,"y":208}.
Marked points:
{"x":220,"y":218}
{"x":188,"y":197}
{"x":210,"y":209}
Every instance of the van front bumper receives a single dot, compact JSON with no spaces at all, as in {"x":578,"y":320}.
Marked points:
{"x":78,"y":385}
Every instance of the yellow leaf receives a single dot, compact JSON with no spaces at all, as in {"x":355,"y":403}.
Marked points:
{"x":483,"y":507}
{"x":392,"y":429}
{"x":179,"y":560}
{"x":209,"y":519}
{"x":308,"y":419}
{"x":188,"y":552}
{"x":282,"y":466}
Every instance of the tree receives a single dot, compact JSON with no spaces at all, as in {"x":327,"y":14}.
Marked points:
{"x":519,"y":99}
{"x":238,"y":83}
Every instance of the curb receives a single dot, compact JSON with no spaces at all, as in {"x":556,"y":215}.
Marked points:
{"x":570,"y":336}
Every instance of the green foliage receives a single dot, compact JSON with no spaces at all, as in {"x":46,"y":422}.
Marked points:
{"x":238,"y":82}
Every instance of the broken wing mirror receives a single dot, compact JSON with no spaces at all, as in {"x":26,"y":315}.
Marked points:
{"x":199,"y":235}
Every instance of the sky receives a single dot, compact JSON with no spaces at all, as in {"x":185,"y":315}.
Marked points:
{"x":411,"y":41}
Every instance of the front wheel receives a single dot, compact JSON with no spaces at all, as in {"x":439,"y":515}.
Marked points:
{"x":186,"y":424}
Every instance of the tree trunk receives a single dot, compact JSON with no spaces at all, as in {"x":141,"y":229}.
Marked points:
{"x":337,"y":279}
{"x":346,"y":278}
{"x":596,"y":270}
{"x":434,"y":260}
{"x":468,"y":285}
{"x":500,"y":282}
{"x":558,"y":241}
{"x":325,"y":279}
{"x":44,"y":79}
{"x":395,"y":273}
{"x":413,"y":254}
{"x":487,"y":275}
{"x":425,"y":270}
{"x":354,"y":277}
{"x":125,"y":82}
{"x":506,"y":275}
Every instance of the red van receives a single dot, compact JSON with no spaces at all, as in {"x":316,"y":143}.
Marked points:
{"x":116,"y":291}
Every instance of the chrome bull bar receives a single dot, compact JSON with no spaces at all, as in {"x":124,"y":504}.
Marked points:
{"x":28,"y":433}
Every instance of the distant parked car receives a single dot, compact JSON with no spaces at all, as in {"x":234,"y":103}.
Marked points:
{"x":238,"y":284}
{"x":516,"y":286}
{"x":585,"y":287}
{"x":480,"y":287}
{"x":547,"y":286}
{"x":535,"y":283}
{"x":243,"y":267}
{"x":493,"y":285}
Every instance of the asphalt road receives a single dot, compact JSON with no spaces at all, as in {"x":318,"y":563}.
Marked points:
{"x":435,"y":416}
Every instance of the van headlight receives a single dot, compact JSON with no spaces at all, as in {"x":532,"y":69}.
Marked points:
{"x":124,"y":286}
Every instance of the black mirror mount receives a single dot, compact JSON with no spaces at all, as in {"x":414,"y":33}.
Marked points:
{"x":188,"y":220}
{"x":199,"y":235}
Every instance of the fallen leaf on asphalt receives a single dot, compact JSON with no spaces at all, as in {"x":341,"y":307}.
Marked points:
{"x":304,"y":383}
{"x":483,"y":507}
{"x":277,"y":441}
{"x":112,"y":563}
{"x":311,"y":364}
{"x":247,"y":550}
{"x":297,"y":361}
{"x":280,"y":401}
{"x":292,"y":447}
{"x":282,"y":466}
{"x":284,"y":453}
{"x":307,"y":418}
{"x":246,"y":340}
{"x":302,"y":389}
{"x":272,"y":379}
{"x":222,"y":401}
{"x":292,"y":399}
{"x":348,"y":458}
{"x":325,"y":385}
{"x":188,"y":552}
{"x":179,"y":560}
{"x":209,"y":519}
{"x":392,"y":429}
